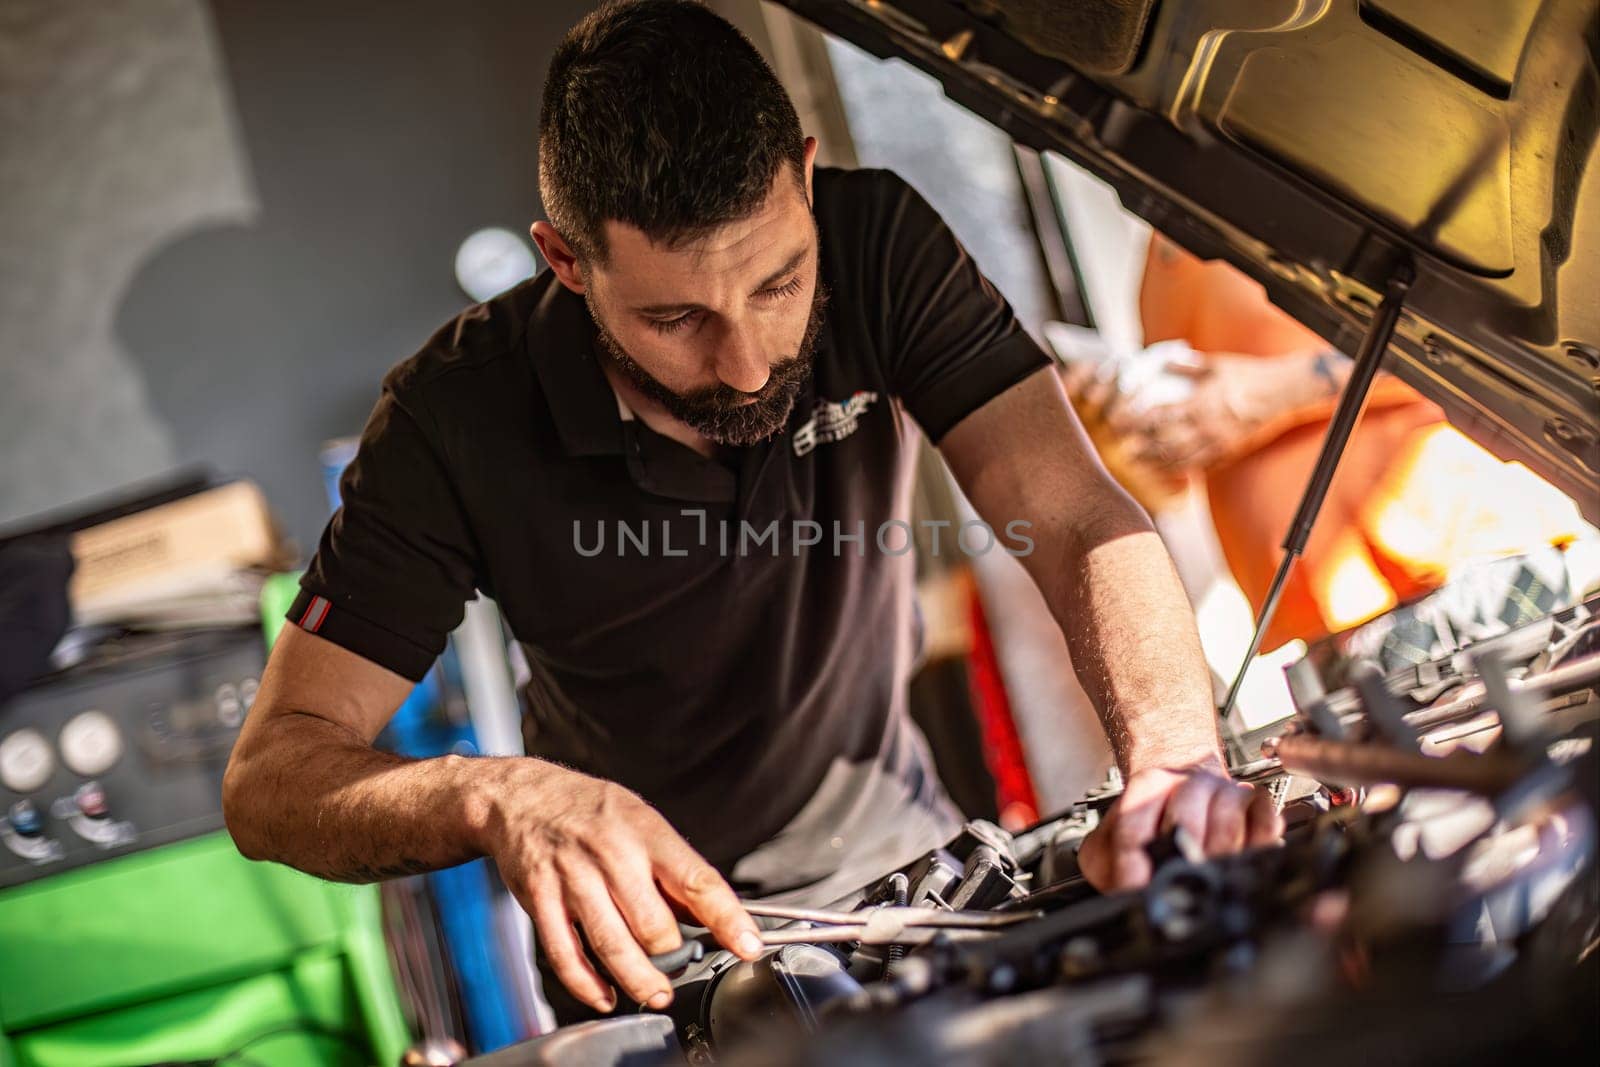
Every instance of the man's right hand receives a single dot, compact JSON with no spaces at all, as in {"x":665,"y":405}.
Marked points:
{"x":305,"y":787}
{"x":582,"y":851}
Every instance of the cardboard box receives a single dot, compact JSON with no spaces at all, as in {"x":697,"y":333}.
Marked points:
{"x":189,"y":548}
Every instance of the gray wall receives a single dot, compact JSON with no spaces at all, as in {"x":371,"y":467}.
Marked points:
{"x":221,"y":223}
{"x":115,"y":134}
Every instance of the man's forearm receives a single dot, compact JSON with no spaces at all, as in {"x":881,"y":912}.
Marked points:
{"x":1133,"y":640}
{"x":310,"y":793}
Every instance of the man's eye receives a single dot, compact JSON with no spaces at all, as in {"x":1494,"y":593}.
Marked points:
{"x":788,"y":288}
{"x":672,"y":325}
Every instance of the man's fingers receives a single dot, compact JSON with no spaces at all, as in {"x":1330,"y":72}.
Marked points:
{"x":553,"y":927}
{"x":1093,"y":863}
{"x":1134,"y":825}
{"x":588,"y":900}
{"x":1221,"y":815}
{"x":1130,"y":865}
{"x":695,"y":884}
{"x":1106,"y":864}
{"x":1225,"y":821}
{"x":1188,"y":806}
{"x":633,"y":889}
{"x":1263,"y":823}
{"x":1130,"y":825}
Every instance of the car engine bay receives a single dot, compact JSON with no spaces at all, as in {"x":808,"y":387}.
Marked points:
{"x":1434,"y":901}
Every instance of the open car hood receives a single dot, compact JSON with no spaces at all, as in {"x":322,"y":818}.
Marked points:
{"x":1322,"y":146}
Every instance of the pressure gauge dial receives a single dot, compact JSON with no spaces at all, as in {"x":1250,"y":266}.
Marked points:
{"x":26,"y":761}
{"x":91,"y":744}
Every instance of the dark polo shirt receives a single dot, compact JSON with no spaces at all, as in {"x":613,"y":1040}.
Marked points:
{"x":684,"y":638}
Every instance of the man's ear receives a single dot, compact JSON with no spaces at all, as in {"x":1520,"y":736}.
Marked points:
{"x":811,"y":156}
{"x":559,"y":255}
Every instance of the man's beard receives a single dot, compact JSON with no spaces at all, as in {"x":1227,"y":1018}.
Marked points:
{"x":721,"y":413}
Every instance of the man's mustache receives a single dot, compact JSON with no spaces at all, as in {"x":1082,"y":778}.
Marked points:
{"x":723,"y":397}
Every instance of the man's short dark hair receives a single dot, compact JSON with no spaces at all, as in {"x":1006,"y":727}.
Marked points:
{"x":660,"y":114}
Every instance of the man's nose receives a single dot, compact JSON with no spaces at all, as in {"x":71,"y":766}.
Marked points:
{"x":741,"y":362}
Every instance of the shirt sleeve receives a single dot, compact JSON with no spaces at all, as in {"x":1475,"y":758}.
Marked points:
{"x":397,"y":562}
{"x":952,"y":341}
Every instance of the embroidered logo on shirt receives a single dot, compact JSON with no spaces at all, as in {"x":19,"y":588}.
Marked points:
{"x":832,"y":421}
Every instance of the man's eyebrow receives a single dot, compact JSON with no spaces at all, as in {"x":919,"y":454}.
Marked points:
{"x":664,"y":310}
{"x":777,"y":275}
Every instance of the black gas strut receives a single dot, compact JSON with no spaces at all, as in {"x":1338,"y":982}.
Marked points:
{"x":1352,"y":402}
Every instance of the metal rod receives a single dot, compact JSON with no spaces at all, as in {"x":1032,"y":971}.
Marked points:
{"x":1488,"y":774}
{"x":798,"y":914}
{"x":1471,"y":697}
{"x":910,"y":935}
{"x":1352,"y":402}
{"x":911,"y":916}
{"x":1557,"y":681}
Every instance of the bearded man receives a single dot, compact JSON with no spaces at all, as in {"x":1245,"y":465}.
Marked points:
{"x":726,"y":367}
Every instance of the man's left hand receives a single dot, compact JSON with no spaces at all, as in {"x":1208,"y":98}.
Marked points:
{"x":1220,"y":814}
